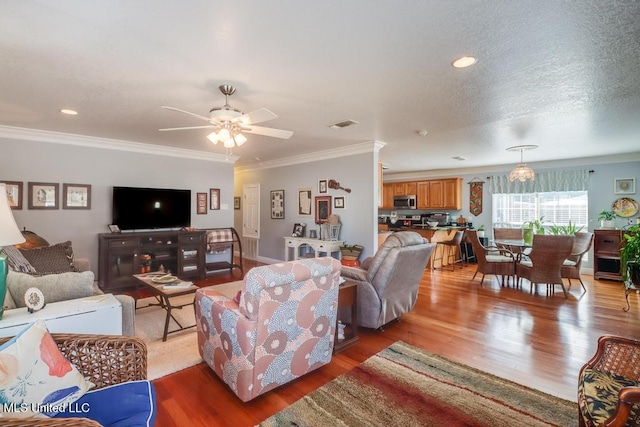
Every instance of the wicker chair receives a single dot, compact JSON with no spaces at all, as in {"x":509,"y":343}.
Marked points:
{"x":544,"y":263}
{"x":104,"y":360}
{"x":571,"y":265}
{"x":508,"y":234}
{"x":491,"y":259}
{"x":609,"y":384}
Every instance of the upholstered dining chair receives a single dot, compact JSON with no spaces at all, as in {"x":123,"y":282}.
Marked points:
{"x":491,"y":259}
{"x":544,"y":263}
{"x":609,"y":384}
{"x":571,"y":266}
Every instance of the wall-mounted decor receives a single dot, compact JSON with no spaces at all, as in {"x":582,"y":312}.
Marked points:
{"x":339,"y":202}
{"x":475,"y":196}
{"x":322,"y":186}
{"x":76,"y":196}
{"x":14,"y":193}
{"x":625,"y":207}
{"x":201,"y":203}
{"x":277,"y":204}
{"x":43,"y":195}
{"x":624,"y":186}
{"x":298,"y":230}
{"x":304,"y":202}
{"x":214,"y":199}
{"x":236,"y":203}
{"x":323,"y":209}
{"x":335,"y":185}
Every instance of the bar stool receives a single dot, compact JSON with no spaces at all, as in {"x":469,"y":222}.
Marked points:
{"x":452,"y":247}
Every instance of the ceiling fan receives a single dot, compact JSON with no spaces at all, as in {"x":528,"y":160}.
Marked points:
{"x":230,"y":123}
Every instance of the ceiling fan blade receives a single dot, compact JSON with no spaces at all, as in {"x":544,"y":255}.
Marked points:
{"x":190,"y":127}
{"x":186,"y":112}
{"x":257,"y":116}
{"x":276,"y":133}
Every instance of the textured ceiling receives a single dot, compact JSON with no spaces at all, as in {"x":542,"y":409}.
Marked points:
{"x":562,"y":75}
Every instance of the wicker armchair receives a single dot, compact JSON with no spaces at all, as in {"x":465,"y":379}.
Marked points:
{"x":104,"y":360}
{"x":544,"y":263}
{"x":571,"y":265}
{"x":491,"y":259}
{"x":609,"y":384}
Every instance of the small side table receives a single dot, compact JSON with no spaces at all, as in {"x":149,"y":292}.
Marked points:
{"x":348,"y":315}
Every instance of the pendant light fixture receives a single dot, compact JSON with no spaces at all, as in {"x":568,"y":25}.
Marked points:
{"x":522,"y":172}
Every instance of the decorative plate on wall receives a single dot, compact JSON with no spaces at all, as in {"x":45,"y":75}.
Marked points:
{"x":625,"y":207}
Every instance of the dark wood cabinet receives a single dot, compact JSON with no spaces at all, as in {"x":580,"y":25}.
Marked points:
{"x":606,"y":254}
{"x":120,"y":256}
{"x":347,"y":316}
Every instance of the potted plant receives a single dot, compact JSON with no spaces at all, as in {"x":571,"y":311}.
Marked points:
{"x":607,"y":219}
{"x":531,"y":227}
{"x":568,"y":229}
{"x":630,"y":255}
{"x":481,"y":231}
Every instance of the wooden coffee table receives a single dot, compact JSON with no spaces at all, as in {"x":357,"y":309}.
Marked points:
{"x":163,"y":294}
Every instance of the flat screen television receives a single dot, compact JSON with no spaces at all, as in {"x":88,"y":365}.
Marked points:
{"x":151,"y":208}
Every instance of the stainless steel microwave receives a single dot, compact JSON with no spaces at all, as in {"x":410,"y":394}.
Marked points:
{"x":404,"y":202}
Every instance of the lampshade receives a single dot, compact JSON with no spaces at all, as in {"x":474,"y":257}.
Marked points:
{"x":522,"y":173}
{"x":240,"y":139}
{"x":213,"y":137}
{"x":229,"y":138}
{"x":224,"y":135}
{"x":9,"y":232}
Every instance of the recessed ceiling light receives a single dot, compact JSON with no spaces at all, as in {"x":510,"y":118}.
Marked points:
{"x":464,"y":62}
{"x":69,"y":112}
{"x":422,"y":132}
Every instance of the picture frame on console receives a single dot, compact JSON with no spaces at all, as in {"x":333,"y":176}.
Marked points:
{"x":214,"y":199}
{"x":201,"y":203}
{"x":14,"y":194}
{"x":298,"y":230}
{"x":76,"y":196}
{"x":43,"y":195}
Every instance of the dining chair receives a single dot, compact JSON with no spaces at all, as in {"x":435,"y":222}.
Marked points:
{"x":571,"y":265}
{"x":508,"y":234}
{"x":544,"y":263}
{"x":491,"y":259}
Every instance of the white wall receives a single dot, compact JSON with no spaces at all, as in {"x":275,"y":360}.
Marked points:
{"x":29,"y":161}
{"x":357,"y":172}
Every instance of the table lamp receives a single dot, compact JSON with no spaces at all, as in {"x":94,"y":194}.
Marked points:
{"x":9,"y":235}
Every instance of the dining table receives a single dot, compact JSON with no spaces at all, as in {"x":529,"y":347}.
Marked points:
{"x":514,"y":245}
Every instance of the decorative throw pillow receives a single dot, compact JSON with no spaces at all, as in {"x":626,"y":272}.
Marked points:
{"x":51,"y":259}
{"x":17,"y":261}
{"x":54,"y":287}
{"x":35,"y":377}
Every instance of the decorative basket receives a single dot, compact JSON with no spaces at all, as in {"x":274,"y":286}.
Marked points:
{"x":351,"y":252}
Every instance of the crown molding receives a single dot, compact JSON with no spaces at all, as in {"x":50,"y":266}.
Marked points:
{"x":551,"y":164}
{"x":349,"y":150}
{"x":10,"y":132}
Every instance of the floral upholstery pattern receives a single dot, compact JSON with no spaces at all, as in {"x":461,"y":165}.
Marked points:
{"x":282,"y":328}
{"x":598,"y":396}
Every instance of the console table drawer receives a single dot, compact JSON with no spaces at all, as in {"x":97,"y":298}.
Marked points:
{"x":123,"y":243}
{"x":198,"y":238}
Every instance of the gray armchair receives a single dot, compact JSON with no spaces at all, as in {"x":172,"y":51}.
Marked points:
{"x":388,"y":282}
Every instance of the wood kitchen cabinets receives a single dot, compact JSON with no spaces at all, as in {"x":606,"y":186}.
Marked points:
{"x":431,"y":194}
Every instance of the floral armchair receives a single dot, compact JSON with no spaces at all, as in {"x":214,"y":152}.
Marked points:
{"x":281,"y":327}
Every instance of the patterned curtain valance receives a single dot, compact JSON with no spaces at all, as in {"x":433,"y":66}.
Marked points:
{"x":572,"y":180}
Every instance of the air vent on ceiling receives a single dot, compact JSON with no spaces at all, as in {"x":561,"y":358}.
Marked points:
{"x":459,"y":158}
{"x":343,"y":124}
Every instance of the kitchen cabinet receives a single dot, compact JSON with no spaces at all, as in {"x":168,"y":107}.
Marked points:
{"x":422,"y":194}
{"x":452,"y":193}
{"x":444,"y":194}
{"x":387,"y":195}
{"x":606,"y":253}
{"x":404,"y":188}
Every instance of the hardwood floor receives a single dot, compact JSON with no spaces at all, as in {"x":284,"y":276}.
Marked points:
{"x":534,"y":340}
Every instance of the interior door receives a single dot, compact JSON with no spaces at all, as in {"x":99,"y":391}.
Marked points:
{"x":251,"y":211}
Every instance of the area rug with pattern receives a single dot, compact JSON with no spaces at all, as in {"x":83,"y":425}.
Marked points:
{"x":407,"y":386}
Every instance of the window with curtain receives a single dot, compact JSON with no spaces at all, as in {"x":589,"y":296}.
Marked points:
{"x":557,"y":208}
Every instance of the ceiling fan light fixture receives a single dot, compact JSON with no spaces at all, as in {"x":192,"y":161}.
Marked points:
{"x":240,"y":139}
{"x":213,"y":138}
{"x":224,"y":135}
{"x":228,"y":143}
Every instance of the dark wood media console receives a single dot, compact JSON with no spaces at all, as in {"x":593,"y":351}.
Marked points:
{"x":122,"y":255}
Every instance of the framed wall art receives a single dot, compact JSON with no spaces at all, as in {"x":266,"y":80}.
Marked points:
{"x":304,"y":202}
{"x":43,"y":195}
{"x":236,"y":203}
{"x":277,"y":204}
{"x":339,"y":202}
{"x":624,"y":186}
{"x":76,"y":196}
{"x":201,"y":203}
{"x":323,"y":209}
{"x":14,"y":194}
{"x":214,"y":199}
{"x":322,"y":186}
